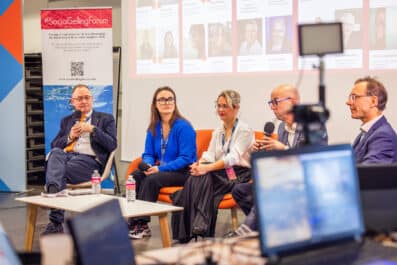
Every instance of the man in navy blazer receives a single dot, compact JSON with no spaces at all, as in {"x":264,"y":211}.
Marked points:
{"x":289,"y":135}
{"x":283,"y":98}
{"x":82,"y":145}
{"x":377,"y":141}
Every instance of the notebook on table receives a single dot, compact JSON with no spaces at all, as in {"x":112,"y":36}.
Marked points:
{"x":100,"y":236}
{"x":308,"y":205}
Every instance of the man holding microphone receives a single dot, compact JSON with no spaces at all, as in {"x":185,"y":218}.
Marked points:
{"x":82,"y":145}
{"x":283,"y":99}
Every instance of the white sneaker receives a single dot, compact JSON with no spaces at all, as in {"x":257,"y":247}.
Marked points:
{"x":243,"y":230}
{"x":140,"y":231}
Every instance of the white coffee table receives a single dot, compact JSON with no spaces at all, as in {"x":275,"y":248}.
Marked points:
{"x":84,"y":202}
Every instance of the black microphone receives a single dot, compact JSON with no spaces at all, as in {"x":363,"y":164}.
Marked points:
{"x":142,"y":166}
{"x":77,"y":116}
{"x":269,"y":128}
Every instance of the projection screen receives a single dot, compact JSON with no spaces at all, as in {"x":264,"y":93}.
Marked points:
{"x":200,"y":47}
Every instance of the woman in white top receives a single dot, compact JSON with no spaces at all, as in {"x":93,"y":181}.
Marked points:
{"x":225,"y":163}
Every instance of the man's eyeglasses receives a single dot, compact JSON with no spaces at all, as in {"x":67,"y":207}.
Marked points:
{"x":81,"y":98}
{"x":274,"y":102}
{"x":163,"y":101}
{"x":353,"y":97}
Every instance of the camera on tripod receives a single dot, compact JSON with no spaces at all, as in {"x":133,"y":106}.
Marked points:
{"x":315,"y":113}
{"x":311,"y":119}
{"x":317,"y":39}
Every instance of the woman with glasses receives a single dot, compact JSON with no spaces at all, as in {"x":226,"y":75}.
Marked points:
{"x":225,"y":163}
{"x":170,"y":148}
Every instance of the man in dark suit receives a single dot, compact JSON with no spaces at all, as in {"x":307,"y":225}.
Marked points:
{"x":283,"y":98}
{"x":377,"y":142}
{"x":82,"y":145}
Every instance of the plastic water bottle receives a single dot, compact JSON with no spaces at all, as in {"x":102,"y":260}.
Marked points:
{"x":96,"y":182}
{"x":130,"y":194}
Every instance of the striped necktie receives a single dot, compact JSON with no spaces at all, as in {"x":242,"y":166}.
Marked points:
{"x":70,"y":146}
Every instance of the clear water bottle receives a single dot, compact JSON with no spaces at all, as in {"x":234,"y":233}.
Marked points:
{"x":96,"y":182}
{"x":130,"y":194}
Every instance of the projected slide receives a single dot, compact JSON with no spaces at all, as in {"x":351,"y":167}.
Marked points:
{"x":157,"y":37}
{"x":207,"y":36}
{"x":382,"y":35}
{"x":264,"y":36}
{"x":350,"y":13}
{"x":241,"y":36}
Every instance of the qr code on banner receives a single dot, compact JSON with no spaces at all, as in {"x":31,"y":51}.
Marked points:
{"x":77,"y":68}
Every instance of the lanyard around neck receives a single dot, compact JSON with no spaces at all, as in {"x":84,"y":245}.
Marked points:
{"x":230,"y":139}
{"x":163,"y":142}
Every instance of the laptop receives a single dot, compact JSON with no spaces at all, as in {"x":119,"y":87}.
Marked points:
{"x":308,"y":205}
{"x":100,"y":236}
{"x":378,"y":192}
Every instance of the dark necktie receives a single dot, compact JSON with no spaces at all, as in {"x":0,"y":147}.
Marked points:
{"x":359,"y":138}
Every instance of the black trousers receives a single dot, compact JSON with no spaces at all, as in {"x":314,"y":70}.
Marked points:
{"x":242,"y":193}
{"x":200,"y":198}
{"x":148,"y":187}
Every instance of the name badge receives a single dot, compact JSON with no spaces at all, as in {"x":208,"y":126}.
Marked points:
{"x":231,"y":175}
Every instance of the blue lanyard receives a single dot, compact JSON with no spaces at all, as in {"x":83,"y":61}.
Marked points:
{"x":163,"y":143}
{"x":230,"y":139}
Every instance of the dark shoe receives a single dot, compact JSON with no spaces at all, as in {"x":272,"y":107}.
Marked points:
{"x":53,"y":228}
{"x":184,"y":240}
{"x":199,"y":231}
{"x":197,"y":236}
{"x":132,"y":224}
{"x":188,"y":239}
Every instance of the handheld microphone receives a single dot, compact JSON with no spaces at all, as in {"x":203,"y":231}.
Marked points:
{"x":269,"y":128}
{"x":142,"y":166}
{"x":77,"y":116}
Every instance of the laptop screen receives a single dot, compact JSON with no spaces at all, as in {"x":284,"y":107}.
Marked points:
{"x":101,"y":237}
{"x":306,"y":196}
{"x":378,"y":192}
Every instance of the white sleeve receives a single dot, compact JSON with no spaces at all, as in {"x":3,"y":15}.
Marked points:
{"x":240,"y":146}
{"x":209,"y":155}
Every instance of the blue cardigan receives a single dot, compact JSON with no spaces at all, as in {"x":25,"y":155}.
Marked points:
{"x":180,"y":150}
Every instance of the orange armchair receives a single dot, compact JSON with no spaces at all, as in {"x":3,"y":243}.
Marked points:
{"x":203,"y":138}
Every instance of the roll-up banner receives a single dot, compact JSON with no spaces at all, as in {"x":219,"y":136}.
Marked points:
{"x":77,"y":49}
